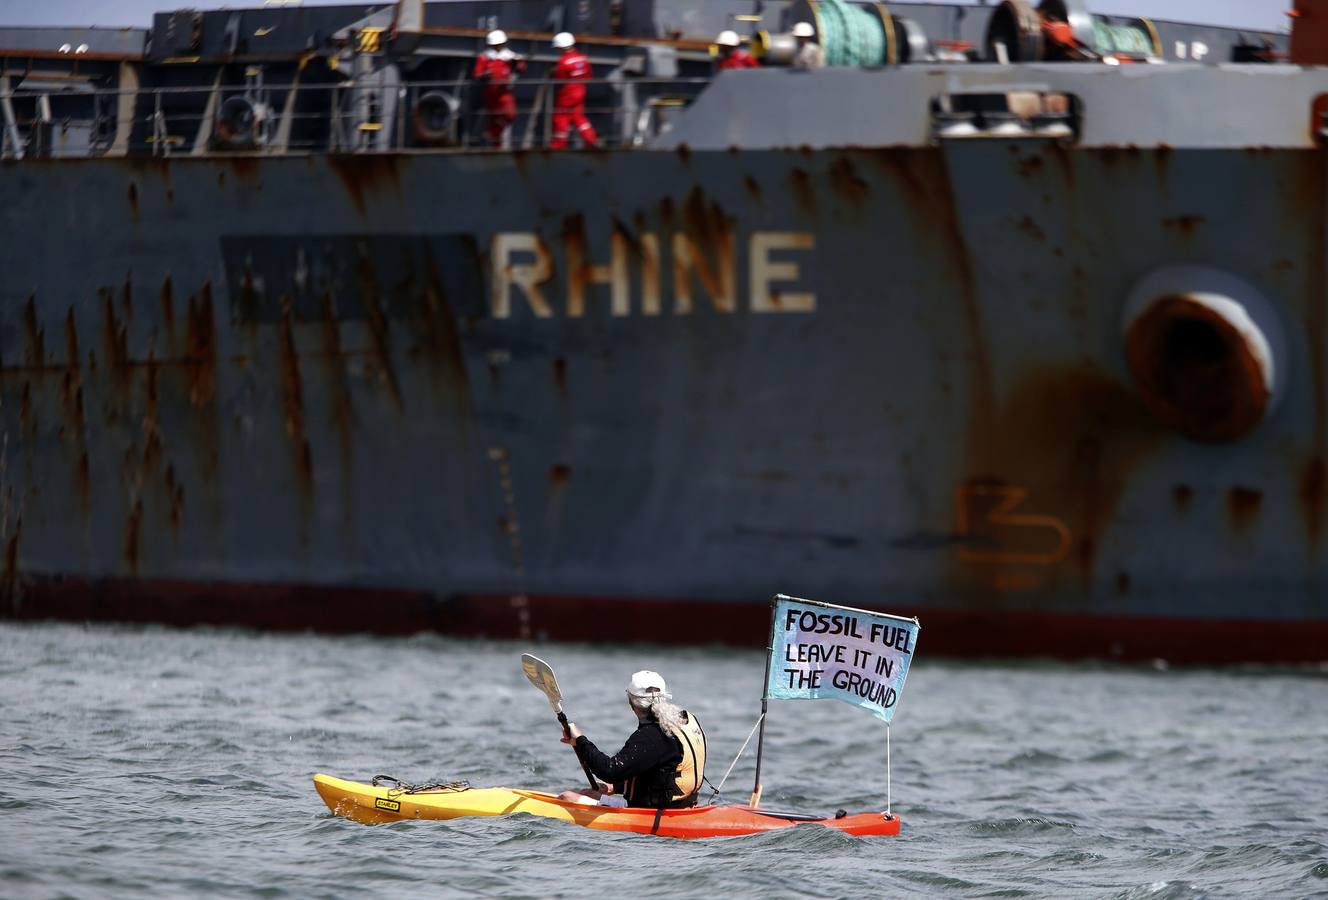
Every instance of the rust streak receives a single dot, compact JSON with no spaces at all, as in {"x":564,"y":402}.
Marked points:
{"x":11,"y":563}
{"x":559,"y":474}
{"x":378,"y":324}
{"x":1243,"y":505}
{"x":710,"y":230}
{"x":168,"y":309}
{"x":845,"y":181}
{"x":292,"y":394}
{"x":560,"y":374}
{"x":201,"y":349}
{"x":36,"y":337}
{"x":804,"y":193}
{"x":924,"y":179}
{"x":127,"y":298}
{"x":365,"y":176}
{"x":244,"y":167}
{"x":151,"y":428}
{"x":116,"y":341}
{"x":578,"y":261}
{"x":343,"y":413}
{"x":175,"y":493}
{"x":1185,"y":225}
{"x":444,"y":336}
{"x":72,"y":392}
{"x":1031,"y":228}
{"x":1181,"y":497}
{"x":1068,"y":437}
{"x":201,"y":358}
{"x":73,"y":379}
{"x":1028,"y":166}
{"x":133,"y":529}
{"x":27,"y":421}
{"x":83,"y":480}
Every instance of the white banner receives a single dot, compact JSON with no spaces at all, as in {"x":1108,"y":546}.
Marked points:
{"x":819,"y":651}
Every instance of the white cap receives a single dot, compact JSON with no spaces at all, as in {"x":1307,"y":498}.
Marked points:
{"x":496,"y":37}
{"x":562,"y":40}
{"x":804,"y":29}
{"x":646,"y":684}
{"x":727,"y":39}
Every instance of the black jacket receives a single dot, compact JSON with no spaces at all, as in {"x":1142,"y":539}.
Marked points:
{"x":643,"y":770}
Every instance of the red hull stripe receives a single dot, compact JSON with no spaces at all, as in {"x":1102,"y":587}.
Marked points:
{"x":947,"y":632}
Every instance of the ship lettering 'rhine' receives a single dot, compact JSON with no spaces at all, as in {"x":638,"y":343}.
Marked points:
{"x":522,"y":266}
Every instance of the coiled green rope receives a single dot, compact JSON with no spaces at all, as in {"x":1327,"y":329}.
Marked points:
{"x":1109,"y":38}
{"x":851,"y":35}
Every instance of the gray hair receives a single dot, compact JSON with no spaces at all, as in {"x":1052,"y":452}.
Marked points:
{"x":661,"y":708}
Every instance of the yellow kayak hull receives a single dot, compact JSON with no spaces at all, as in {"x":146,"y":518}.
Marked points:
{"x":378,"y":804}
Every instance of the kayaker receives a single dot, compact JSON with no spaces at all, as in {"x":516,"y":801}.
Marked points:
{"x":662,"y":764}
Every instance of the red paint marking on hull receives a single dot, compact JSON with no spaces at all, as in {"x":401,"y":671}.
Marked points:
{"x":742,"y":623}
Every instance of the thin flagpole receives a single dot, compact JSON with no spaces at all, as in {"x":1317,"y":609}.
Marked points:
{"x":887,"y":768}
{"x":765,"y":701}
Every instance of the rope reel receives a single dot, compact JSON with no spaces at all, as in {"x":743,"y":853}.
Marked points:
{"x":1134,"y":37}
{"x":1014,"y":33}
{"x":1017,"y":32}
{"x":850,"y":34}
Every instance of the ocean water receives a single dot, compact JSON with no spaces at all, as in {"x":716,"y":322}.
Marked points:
{"x":146,"y":762}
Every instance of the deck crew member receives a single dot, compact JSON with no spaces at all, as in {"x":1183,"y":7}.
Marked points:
{"x":569,"y":110}
{"x":731,"y":56}
{"x":663,"y":762}
{"x":809,"y":55}
{"x":496,"y":69}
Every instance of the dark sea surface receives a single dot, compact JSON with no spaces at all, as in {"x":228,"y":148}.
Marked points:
{"x":163,"y":763}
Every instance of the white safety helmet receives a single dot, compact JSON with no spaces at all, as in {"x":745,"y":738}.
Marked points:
{"x":727,"y":39}
{"x":562,"y":40}
{"x":496,"y":38}
{"x":646,"y":684}
{"x":804,"y":29}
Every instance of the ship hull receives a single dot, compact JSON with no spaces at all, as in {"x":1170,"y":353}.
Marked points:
{"x":537,"y":394}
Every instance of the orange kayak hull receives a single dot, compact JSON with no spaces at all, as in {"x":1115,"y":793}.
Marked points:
{"x":380,"y":804}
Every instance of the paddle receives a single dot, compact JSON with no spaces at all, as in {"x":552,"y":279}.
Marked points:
{"x":540,"y":675}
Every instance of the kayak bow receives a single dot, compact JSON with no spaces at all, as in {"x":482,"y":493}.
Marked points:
{"x":374,"y":805}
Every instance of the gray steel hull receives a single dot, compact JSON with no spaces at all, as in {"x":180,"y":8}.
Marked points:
{"x":296,"y":371}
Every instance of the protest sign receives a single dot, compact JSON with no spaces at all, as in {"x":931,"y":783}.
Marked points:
{"x":819,"y":651}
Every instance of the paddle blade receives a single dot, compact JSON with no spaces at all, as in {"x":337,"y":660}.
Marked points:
{"x":540,"y":675}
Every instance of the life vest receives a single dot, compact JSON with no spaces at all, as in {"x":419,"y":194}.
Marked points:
{"x":691,"y":769}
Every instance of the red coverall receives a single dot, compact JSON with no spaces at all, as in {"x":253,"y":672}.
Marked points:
{"x":738,"y":59}
{"x":499,"y":100}
{"x":569,"y":110}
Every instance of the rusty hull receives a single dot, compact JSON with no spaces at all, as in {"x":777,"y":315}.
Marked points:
{"x":276,"y":392}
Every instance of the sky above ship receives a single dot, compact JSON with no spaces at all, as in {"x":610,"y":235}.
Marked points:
{"x":1265,"y":15}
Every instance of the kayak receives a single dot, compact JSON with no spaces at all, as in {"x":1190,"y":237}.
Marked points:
{"x":377,"y":804}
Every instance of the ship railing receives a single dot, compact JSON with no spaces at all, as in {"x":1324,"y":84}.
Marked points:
{"x":372,"y":116}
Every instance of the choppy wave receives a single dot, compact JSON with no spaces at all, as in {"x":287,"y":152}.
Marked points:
{"x":145,"y":762}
